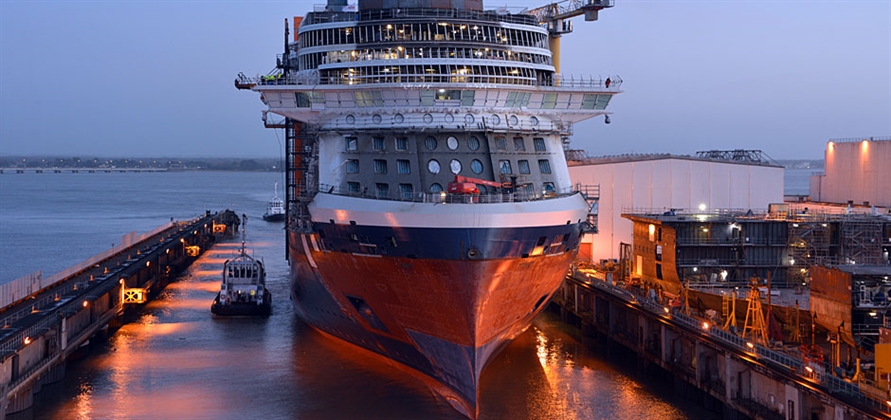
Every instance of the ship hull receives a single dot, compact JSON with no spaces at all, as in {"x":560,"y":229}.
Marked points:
{"x":439,"y":303}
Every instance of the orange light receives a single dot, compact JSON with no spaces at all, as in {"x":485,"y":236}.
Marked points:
{"x":750,"y":345}
{"x":808,"y":369}
{"x":705,"y":325}
{"x":86,"y":304}
{"x":27,"y":340}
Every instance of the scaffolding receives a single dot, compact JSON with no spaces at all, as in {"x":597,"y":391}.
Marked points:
{"x":861,"y":240}
{"x":758,"y":327}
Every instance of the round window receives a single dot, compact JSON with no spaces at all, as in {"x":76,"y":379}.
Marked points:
{"x":433,"y":166}
{"x":398,"y":118}
{"x":476,"y":166}
{"x":453,"y":143}
{"x":376,"y":118}
{"x":428,"y":118}
{"x":455,"y":166}
{"x":430,"y":143}
{"x":495,"y":119}
{"x":350,"y":119}
{"x":513,"y":120}
{"x":473,"y":143}
{"x":468,"y":119}
{"x":449,"y":118}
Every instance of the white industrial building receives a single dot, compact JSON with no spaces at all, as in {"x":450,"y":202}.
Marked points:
{"x":718,"y":180}
{"x":856,"y":171}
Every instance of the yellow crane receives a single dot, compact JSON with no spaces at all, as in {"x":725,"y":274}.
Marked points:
{"x":556,"y":16}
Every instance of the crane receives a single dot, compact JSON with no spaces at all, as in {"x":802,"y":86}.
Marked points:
{"x":467,"y":185}
{"x":556,"y":18}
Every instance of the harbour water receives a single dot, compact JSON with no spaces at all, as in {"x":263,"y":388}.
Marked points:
{"x":177,"y":361}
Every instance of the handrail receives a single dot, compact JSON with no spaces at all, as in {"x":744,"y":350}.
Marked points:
{"x":446,"y":197}
{"x":470,"y":81}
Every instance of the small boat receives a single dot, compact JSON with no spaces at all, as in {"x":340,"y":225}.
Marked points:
{"x":243,"y":290}
{"x":275,"y":209}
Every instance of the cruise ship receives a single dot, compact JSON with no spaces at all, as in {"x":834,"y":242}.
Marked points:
{"x":431,"y":215}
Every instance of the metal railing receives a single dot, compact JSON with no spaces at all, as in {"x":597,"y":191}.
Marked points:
{"x":469,"y":81}
{"x":819,"y":375}
{"x":446,"y":197}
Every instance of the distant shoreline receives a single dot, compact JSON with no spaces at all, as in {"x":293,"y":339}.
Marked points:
{"x":77,"y":164}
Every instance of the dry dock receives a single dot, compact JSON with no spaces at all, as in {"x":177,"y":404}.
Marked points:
{"x":729,"y":374}
{"x":47,"y":320}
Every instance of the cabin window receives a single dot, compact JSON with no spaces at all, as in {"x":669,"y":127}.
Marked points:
{"x":403,"y":166}
{"x":430,"y":143}
{"x":545,"y":166}
{"x":549,"y":189}
{"x":505,"y":166}
{"x":523,"y":166}
{"x":352,"y":144}
{"x":378,"y":143}
{"x":353,"y":187}
{"x":473,"y":143}
{"x":435,"y":187}
{"x":406,"y":190}
{"x":380,"y":166}
{"x":659,"y":271}
{"x":519,"y":144}
{"x":476,"y":166}
{"x":452,"y":142}
{"x":402,"y":143}
{"x":455,"y":166}
{"x":383,"y":190}
{"x":539,"y":144}
{"x":500,"y":143}
{"x":352,"y":166}
{"x":433,"y":166}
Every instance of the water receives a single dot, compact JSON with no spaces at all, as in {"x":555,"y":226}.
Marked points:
{"x":177,"y":361}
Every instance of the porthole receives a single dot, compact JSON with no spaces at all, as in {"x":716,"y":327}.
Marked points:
{"x":495,"y":119}
{"x":428,"y":118}
{"x":398,"y":118}
{"x":452,"y":143}
{"x":430,"y":143}
{"x":350,"y":119}
{"x":476,"y":166}
{"x":473,"y":143}
{"x":534,"y":121}
{"x":468,"y":119}
{"x":455,"y":166}
{"x":435,"y":187}
{"x":449,"y":118}
{"x":433,"y":166}
{"x":376,"y":118}
{"x":513,"y":120}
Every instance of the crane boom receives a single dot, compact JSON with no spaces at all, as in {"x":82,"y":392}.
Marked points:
{"x":555,"y":17}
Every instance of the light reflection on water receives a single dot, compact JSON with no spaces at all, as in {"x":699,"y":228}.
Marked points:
{"x":176,"y":361}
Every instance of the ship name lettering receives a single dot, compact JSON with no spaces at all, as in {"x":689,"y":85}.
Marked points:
{"x":415,"y":86}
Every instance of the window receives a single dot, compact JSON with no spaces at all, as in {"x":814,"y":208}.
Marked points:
{"x":352,"y":143}
{"x":476,"y":166}
{"x":455,"y":166}
{"x":352,"y":166}
{"x":435,"y":187}
{"x":433,"y":166}
{"x":539,"y":144}
{"x":524,"y":166}
{"x":430,"y":143}
{"x":406,"y":190}
{"x":403,"y":166}
{"x":505,"y":166}
{"x":473,"y":143}
{"x":378,"y":143}
{"x":500,"y":143}
{"x":353,"y":187}
{"x":402,"y":143}
{"x":545,"y":166}
{"x":519,"y":144}
{"x":452,"y":142}
{"x":380,"y":166}
{"x":383,"y":190}
{"x":549,"y":189}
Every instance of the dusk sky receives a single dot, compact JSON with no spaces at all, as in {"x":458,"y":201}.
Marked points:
{"x":155,"y":78}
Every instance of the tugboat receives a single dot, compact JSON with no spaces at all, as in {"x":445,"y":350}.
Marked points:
{"x":243,"y":290}
{"x":275,"y":209}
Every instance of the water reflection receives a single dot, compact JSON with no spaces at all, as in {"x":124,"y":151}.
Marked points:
{"x":177,"y":361}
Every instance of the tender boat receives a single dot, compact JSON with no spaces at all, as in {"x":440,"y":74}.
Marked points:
{"x":243,"y":290}
{"x":275,"y":209}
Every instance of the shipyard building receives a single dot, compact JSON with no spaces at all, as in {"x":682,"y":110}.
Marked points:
{"x":856,"y":172}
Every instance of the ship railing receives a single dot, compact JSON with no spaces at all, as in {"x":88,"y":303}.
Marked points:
{"x":444,"y":197}
{"x":819,"y":374}
{"x":323,"y":13}
{"x":416,"y":81}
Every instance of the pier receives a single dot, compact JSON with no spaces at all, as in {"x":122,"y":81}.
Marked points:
{"x":741,"y":378}
{"x":47,"y":320}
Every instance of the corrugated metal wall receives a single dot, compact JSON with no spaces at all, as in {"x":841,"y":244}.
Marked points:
{"x":672,"y":183}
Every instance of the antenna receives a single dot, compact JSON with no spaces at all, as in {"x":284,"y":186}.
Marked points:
{"x":285,"y":54}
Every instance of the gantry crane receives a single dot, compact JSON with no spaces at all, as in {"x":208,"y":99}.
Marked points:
{"x":556,"y":17}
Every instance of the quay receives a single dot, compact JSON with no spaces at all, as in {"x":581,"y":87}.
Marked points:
{"x":47,"y":320}
{"x":78,"y":170}
{"x":738,"y":377}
